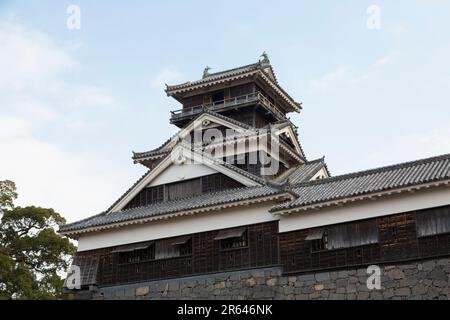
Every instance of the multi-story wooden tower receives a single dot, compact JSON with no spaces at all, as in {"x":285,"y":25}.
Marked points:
{"x":233,"y":191}
{"x":247,"y":100}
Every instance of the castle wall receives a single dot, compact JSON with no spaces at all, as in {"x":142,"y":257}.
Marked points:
{"x":419,"y":280}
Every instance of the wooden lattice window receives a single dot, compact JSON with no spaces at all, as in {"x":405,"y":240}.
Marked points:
{"x":217,"y":182}
{"x":352,"y":234}
{"x":172,"y":248}
{"x":232,"y":238}
{"x":184,"y":189}
{"x":318,"y":238}
{"x":135,"y":253}
{"x":433,"y":222}
{"x":343,"y":236}
{"x":156,"y":194}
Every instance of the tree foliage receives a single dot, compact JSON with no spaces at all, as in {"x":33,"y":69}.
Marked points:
{"x":7,"y":194}
{"x":32,"y":254}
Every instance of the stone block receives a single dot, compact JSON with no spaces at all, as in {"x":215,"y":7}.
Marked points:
{"x":323,"y":276}
{"x":363,"y":296}
{"x":319,"y":287}
{"x":376,"y":295}
{"x":272,"y":282}
{"x":428,"y":265}
{"x":408,"y":282}
{"x":418,"y":289}
{"x":351,"y":288}
{"x":337,"y":296}
{"x":389,"y":293}
{"x":142,"y":291}
{"x":306,"y":277}
{"x":402,"y":292}
{"x":251,"y":282}
{"x":437,"y":274}
{"x":395,"y":274}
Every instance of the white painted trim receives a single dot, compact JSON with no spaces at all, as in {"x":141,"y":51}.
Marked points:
{"x":214,"y":220}
{"x":388,"y":205}
{"x":176,"y":173}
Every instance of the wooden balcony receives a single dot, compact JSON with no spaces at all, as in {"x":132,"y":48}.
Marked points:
{"x":227,"y":104}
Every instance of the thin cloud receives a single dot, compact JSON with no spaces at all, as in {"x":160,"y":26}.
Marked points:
{"x":347,"y":75}
{"x":37,"y":94}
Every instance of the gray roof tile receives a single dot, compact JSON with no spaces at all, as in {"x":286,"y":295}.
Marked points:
{"x":303,"y":172}
{"x":201,"y":201}
{"x":217,"y":76}
{"x":370,"y":181}
{"x":307,"y":192}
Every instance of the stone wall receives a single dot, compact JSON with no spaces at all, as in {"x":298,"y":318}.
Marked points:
{"x":414,"y":280}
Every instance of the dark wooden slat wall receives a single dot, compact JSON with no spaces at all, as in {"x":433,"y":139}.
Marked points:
{"x":206,"y":257}
{"x":397,"y":241}
{"x":182,"y":189}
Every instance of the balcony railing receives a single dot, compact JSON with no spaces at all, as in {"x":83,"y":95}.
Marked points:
{"x":256,"y":97}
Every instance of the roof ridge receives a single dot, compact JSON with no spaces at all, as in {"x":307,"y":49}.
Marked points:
{"x":212,"y":75}
{"x":322,"y":159}
{"x":400,"y":165}
{"x":232,"y":69}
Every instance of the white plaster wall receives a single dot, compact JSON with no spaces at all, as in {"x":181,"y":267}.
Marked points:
{"x":175,"y":173}
{"x":321,"y":173}
{"x":213,"y":220}
{"x":366,"y":209}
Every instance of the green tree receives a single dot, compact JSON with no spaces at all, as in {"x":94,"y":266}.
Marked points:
{"x":32,"y":254}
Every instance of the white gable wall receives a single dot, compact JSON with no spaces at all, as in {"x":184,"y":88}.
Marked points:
{"x":322,"y":173}
{"x":181,"y":172}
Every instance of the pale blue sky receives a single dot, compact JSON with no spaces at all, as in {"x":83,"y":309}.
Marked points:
{"x":75,"y":103}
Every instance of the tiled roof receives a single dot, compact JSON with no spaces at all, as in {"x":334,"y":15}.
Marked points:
{"x":236,"y":73}
{"x":217,"y":76}
{"x":398,"y":176}
{"x":371,"y":181}
{"x":198,"y":202}
{"x":303,"y":172}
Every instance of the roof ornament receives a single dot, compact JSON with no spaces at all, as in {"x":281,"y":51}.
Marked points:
{"x":206,"y":72}
{"x":265,"y":58}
